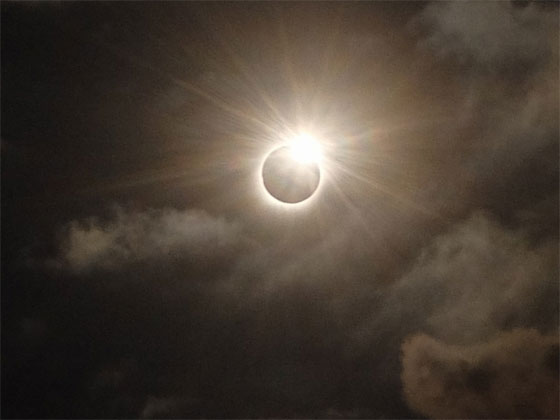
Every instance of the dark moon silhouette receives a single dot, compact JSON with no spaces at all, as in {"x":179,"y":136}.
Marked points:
{"x":287,"y":179}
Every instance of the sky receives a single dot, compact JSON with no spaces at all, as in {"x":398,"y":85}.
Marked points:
{"x":146,"y":273}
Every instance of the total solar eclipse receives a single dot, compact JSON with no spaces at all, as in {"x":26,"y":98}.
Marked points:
{"x":291,"y":173}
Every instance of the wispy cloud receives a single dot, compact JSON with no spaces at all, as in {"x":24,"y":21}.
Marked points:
{"x":131,"y":237}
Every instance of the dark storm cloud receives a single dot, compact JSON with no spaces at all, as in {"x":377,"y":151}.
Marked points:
{"x":495,"y":379}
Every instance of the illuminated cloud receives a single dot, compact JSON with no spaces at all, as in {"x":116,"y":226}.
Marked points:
{"x":468,"y":289}
{"x":144,"y":236}
{"x":513,"y":375}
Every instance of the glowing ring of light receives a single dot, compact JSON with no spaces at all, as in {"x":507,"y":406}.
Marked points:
{"x":306,"y":150}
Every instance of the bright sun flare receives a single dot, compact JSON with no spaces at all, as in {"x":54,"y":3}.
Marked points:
{"x":305,"y":149}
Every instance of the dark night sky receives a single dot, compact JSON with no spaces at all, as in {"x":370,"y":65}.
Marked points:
{"x":145,"y":274}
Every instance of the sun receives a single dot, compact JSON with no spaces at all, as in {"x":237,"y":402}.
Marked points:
{"x":305,"y":148}
{"x":291,"y":172}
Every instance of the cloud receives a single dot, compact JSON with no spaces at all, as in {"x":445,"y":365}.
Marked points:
{"x":471,"y":282}
{"x":514,"y":375}
{"x":484,"y":277}
{"x":488,"y":298}
{"x":166,"y":407}
{"x":146,"y":236}
{"x":500,"y":66}
{"x":490,"y":34}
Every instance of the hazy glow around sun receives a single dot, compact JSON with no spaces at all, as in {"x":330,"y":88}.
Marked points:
{"x":305,"y":148}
